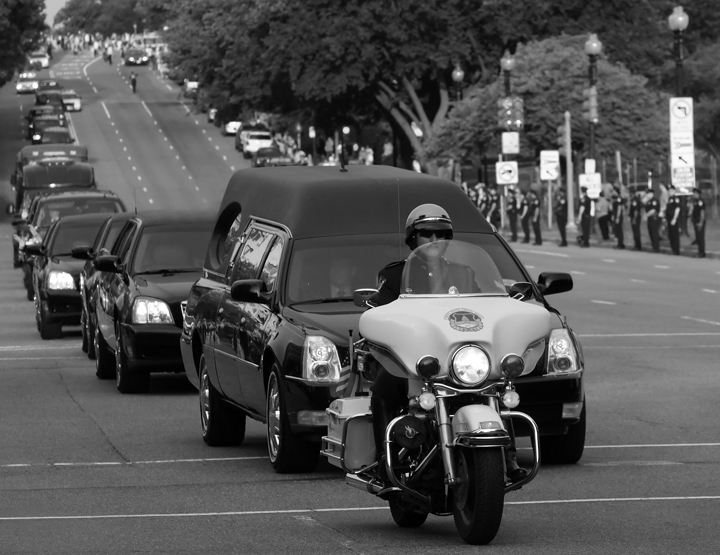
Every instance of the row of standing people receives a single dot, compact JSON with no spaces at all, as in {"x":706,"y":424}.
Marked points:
{"x":523,"y":209}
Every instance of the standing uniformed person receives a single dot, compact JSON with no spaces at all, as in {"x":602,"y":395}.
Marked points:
{"x":561,"y":214}
{"x":493,"y":210}
{"x":512,"y":212}
{"x":636,"y":208}
{"x":698,"y":220}
{"x":535,"y":216}
{"x":525,"y":216}
{"x":585,"y":215}
{"x":618,"y":215}
{"x":652,"y":213}
{"x":482,"y":200}
{"x":672,"y":218}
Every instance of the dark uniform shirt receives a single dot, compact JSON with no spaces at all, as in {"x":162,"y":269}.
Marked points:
{"x":512,"y":207}
{"x":651,"y":205}
{"x":672,"y":205}
{"x":635,"y":209}
{"x":535,"y":208}
{"x":698,"y":211}
{"x":617,"y":209}
{"x":561,"y":208}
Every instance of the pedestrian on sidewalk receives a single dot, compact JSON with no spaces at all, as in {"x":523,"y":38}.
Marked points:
{"x":512,"y":212}
{"x":109,"y":53}
{"x":698,"y":220}
{"x":535,"y":215}
{"x":636,"y":209}
{"x":561,"y":214}
{"x":652,"y":214}
{"x":672,"y":218}
{"x":585,"y":216}
{"x":618,"y":213}
{"x":602,"y":210}
{"x":525,"y":217}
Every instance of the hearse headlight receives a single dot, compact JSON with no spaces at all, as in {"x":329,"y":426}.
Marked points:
{"x":57,"y":280}
{"x":321,"y":362}
{"x":151,"y":311}
{"x":470,"y":365}
{"x":562,"y":356}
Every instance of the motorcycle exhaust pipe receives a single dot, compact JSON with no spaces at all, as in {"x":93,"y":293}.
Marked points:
{"x":370,"y":486}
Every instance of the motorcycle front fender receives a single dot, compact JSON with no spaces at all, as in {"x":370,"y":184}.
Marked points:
{"x":477,"y":420}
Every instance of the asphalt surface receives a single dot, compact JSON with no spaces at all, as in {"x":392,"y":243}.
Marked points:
{"x":84,"y":469}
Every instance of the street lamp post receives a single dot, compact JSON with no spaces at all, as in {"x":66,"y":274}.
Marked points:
{"x":507,"y":63}
{"x":593,"y":47}
{"x":678,"y":22}
{"x":457,"y":76}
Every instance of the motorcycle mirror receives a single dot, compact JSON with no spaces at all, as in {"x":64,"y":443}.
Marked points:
{"x":554,"y":282}
{"x":521,"y":290}
{"x":362,"y":296}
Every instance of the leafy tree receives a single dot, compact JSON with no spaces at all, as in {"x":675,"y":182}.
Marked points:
{"x":98,"y":16}
{"x":550,"y":76}
{"x":22,"y":23}
{"x":155,"y":14}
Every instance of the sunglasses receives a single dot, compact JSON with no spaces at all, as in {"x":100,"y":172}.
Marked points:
{"x":430,"y":233}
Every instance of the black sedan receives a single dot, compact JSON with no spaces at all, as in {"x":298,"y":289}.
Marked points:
{"x":54,"y":135}
{"x":136,"y":57}
{"x":56,"y":274}
{"x":138,"y":313}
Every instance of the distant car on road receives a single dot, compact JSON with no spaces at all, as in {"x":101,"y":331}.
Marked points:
{"x":55,"y":135}
{"x":272,"y":156}
{"x":252,"y":137}
{"x":136,"y":57}
{"x":56,"y":275}
{"x":39,"y":59}
{"x":139,"y":317}
{"x":26,"y":83}
{"x":232,"y":127}
{"x":71,"y":100}
{"x":42,"y":122}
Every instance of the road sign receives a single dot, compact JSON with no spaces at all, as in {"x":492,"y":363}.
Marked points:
{"x":506,"y":173}
{"x":682,"y":144}
{"x":511,"y":142}
{"x":593,"y":183}
{"x":549,"y":165}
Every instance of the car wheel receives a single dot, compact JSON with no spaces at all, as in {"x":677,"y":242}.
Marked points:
{"x":104,"y":360}
{"x":91,"y":338}
{"x":125,"y":380}
{"x":47,"y":329}
{"x":221,"y":423}
{"x":567,"y":449}
{"x":288,"y":453}
{"x":84,"y":331}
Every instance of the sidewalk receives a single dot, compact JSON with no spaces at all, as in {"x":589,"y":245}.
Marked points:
{"x":712,"y":239}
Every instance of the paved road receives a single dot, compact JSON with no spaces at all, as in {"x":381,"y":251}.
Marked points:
{"x":84,"y":469}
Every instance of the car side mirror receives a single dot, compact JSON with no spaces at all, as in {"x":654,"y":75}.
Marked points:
{"x":19,"y":221}
{"x":550,"y":283}
{"x":107,"y":263}
{"x":521,"y":290}
{"x":362,"y":296}
{"x":33,"y":250}
{"x":10,"y":208}
{"x":82,"y":253}
{"x":249,"y":291}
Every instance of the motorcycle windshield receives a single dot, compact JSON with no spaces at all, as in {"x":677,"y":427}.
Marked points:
{"x":450,"y":268}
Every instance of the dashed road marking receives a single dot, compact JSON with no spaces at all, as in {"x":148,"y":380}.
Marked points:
{"x":709,"y":291}
{"x":107,"y":113}
{"x":603,"y":302}
{"x":701,"y":320}
{"x":577,"y":273}
{"x":638,"y":281}
{"x":662,"y":267}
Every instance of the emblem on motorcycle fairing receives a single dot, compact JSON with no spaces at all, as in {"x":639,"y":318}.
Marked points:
{"x":463,"y":319}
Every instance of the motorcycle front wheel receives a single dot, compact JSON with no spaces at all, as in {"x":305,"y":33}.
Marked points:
{"x":478,"y":499}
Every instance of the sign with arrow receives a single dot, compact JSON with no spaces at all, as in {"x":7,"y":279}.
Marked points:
{"x":682,"y":144}
{"x":549,"y":165}
{"x":506,"y":173}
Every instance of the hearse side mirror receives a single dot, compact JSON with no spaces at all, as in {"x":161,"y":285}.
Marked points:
{"x":82,"y":253}
{"x":33,"y":250}
{"x":521,"y":290}
{"x":550,"y":283}
{"x":107,"y":263}
{"x":362,"y":296}
{"x":249,"y":291}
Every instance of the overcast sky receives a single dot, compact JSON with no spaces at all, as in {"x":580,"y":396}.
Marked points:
{"x":51,"y":8}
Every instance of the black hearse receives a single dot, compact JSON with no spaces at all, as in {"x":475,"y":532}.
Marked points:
{"x":265,"y":310}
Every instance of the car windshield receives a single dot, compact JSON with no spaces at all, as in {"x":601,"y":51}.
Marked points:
{"x":161,"y":249}
{"x":260,"y":136}
{"x":451,"y":267}
{"x":55,"y":137}
{"x":54,"y":210}
{"x":269,"y":152}
{"x":68,"y":237}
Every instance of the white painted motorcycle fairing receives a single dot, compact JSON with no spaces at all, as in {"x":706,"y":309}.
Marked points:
{"x":412,"y":327}
{"x":467,"y":419}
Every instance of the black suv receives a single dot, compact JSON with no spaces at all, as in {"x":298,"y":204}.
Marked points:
{"x":266,"y":314}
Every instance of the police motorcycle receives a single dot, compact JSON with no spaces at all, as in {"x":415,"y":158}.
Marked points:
{"x":460,"y":337}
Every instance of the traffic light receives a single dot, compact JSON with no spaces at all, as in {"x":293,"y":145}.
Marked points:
{"x":505,"y":113}
{"x":518,"y":116}
{"x":590,"y":106}
{"x":561,"y":138}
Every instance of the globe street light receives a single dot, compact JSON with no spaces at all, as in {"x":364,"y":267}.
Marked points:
{"x":678,"y":22}
{"x":593,"y":47}
{"x":457,"y":76}
{"x":507,"y":63}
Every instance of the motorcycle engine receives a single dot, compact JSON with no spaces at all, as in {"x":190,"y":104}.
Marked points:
{"x":409,"y":432}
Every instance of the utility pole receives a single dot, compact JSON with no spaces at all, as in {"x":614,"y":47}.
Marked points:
{"x":569,"y":172}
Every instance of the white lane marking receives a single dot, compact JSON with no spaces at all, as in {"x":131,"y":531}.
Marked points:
{"x":139,"y":178}
{"x":530,"y":267}
{"x":204,"y":131}
{"x":155,"y":122}
{"x":87,"y":65}
{"x":644,"y":445}
{"x":172,"y":147}
{"x":132,"y":463}
{"x":604,"y":302}
{"x":232,"y":168}
{"x":638,"y":281}
{"x":189,"y":176}
{"x":224,"y":157}
{"x":106,"y":110}
{"x":34,"y":348}
{"x":608,"y":260}
{"x":134,"y":168}
{"x":184,"y":168}
{"x":346,"y":509}
{"x":701,"y":320}
{"x":546,"y":253}
{"x":41,"y":358}
{"x":662,"y":267}
{"x":112,"y":123}
{"x":688,"y":334}
{"x":709,"y":291}
{"x":150,"y":201}
{"x":94,"y":89}
{"x":633,"y":463}
{"x":125,"y":149}
{"x":144,"y":189}
{"x":169,"y":87}
{"x":129,"y":158}
{"x":146,"y":108}
{"x":197,"y":188}
{"x":648,"y":347}
{"x":120,"y":140}
{"x":575,"y":272}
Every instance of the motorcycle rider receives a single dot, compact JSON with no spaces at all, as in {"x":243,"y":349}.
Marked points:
{"x":425,"y":224}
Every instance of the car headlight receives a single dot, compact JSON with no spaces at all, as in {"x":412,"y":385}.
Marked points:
{"x":562,"y":356}
{"x":151,"y":311}
{"x":60,"y":280}
{"x":321,"y":362}
{"x":470,"y":365}
{"x":36,"y":137}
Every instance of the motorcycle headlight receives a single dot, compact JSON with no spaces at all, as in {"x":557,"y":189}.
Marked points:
{"x":60,"y":280}
{"x":151,"y":311}
{"x":562,"y":356}
{"x":321,"y":362}
{"x":470,"y":365}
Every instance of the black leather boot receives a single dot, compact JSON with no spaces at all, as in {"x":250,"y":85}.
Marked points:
{"x":382,"y":416}
{"x":515,"y":472}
